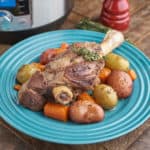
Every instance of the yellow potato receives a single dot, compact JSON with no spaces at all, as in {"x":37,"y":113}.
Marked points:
{"x":105,"y":96}
{"x":114,"y":61}
{"x":25,"y":72}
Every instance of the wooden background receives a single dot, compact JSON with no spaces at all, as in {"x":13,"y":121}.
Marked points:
{"x":139,"y":34}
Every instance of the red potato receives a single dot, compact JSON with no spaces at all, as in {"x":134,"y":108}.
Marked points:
{"x":47,"y":56}
{"x":121,"y":82}
{"x":86,"y":112}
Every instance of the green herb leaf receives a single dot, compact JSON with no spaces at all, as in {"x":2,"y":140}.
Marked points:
{"x":86,"y":54}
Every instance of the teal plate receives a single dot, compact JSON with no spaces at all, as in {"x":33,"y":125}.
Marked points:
{"x":127,"y":116}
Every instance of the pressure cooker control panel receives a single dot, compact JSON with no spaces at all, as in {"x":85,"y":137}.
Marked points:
{"x":17,"y":7}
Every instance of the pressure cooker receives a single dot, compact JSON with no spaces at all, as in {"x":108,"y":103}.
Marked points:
{"x":22,"y":18}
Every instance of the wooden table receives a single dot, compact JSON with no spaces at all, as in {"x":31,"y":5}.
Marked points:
{"x":139,"y":34}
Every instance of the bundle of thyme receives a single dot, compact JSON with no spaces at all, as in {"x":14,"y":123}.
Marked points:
{"x":87,"y":24}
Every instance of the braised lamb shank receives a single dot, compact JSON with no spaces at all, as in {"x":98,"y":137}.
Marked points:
{"x":69,"y":69}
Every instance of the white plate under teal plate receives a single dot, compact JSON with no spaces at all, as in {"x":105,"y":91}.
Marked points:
{"x":127,"y":116}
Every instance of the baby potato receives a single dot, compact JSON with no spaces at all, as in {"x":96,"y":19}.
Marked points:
{"x":114,"y":61}
{"x":105,"y":96}
{"x":83,"y":111}
{"x":121,"y":82}
{"x":25,"y":72}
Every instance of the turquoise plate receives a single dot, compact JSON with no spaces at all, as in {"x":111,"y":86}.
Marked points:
{"x":127,"y":116}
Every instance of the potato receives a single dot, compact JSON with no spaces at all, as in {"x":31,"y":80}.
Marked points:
{"x":121,"y":82}
{"x":105,"y":96}
{"x":83,"y":111}
{"x":114,"y":61}
{"x":25,"y":72}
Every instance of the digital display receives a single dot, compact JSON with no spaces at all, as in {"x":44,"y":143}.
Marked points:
{"x":7,"y":3}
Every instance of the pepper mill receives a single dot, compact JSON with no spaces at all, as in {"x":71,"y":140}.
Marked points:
{"x":115,"y":14}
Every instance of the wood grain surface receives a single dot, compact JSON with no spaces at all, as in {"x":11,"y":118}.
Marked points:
{"x":139,"y":34}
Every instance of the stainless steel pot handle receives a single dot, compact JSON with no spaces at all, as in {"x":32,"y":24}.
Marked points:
{"x":6,"y":15}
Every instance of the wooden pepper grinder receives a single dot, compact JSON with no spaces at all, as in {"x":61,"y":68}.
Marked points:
{"x":115,"y":14}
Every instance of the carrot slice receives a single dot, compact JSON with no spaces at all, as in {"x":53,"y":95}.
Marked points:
{"x":86,"y":96}
{"x":132,"y":74}
{"x":56,"y":111}
{"x":17,"y":87}
{"x":62,"y":48}
{"x":64,"y":45}
{"x":104,"y":73}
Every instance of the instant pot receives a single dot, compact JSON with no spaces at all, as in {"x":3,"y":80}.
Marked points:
{"x":22,"y":18}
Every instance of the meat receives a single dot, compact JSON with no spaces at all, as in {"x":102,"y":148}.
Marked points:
{"x":61,"y":61}
{"x":32,"y":100}
{"x":68,"y":69}
{"x":74,"y":72}
{"x":83,"y":75}
{"x":33,"y":92}
{"x":38,"y":83}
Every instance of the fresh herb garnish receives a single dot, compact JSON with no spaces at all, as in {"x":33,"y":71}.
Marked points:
{"x":86,"y":54}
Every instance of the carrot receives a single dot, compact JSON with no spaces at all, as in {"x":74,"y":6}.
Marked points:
{"x":59,"y":50}
{"x":64,"y":45}
{"x":56,"y":111}
{"x":85,"y":96}
{"x":132,"y":74}
{"x":62,"y":49}
{"x":104,"y":73}
{"x":17,"y":87}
